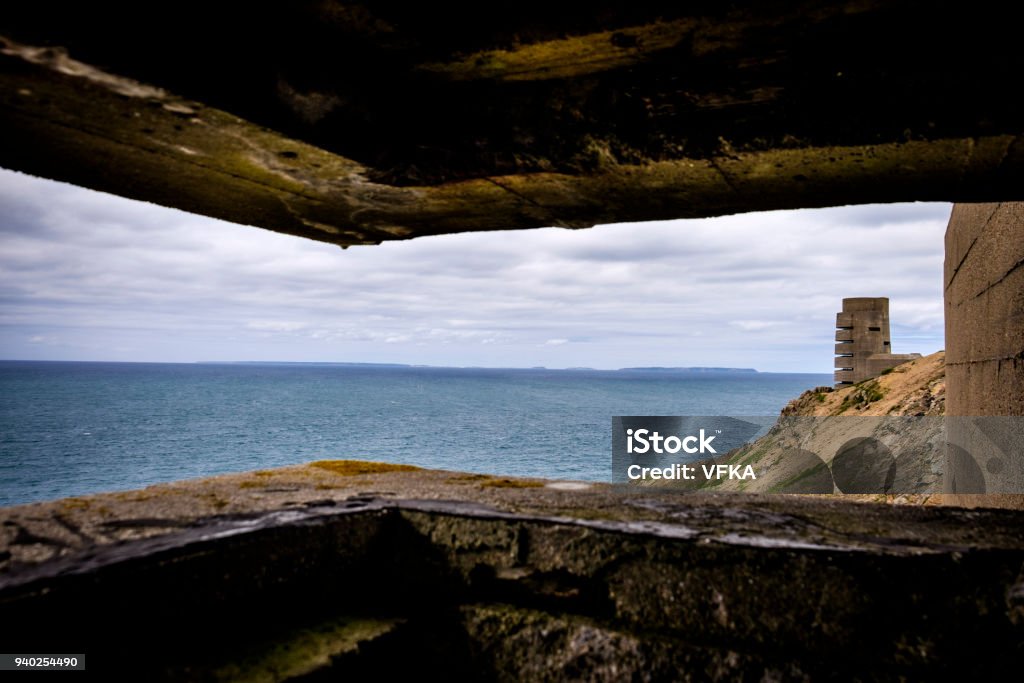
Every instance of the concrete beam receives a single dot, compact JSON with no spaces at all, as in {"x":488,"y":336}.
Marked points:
{"x":356,"y":123}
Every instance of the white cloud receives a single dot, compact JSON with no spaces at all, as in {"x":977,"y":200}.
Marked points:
{"x":103,"y":273}
{"x":276,"y":325}
{"x":754,"y":325}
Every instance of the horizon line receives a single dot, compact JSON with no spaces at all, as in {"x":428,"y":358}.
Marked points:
{"x":649,"y":368}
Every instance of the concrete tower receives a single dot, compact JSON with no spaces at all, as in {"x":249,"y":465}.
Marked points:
{"x":863,"y":346}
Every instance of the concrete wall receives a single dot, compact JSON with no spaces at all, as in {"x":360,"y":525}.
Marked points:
{"x":984,"y":293}
{"x":984,"y":296}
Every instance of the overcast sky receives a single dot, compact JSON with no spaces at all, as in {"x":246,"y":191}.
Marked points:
{"x":91,"y":276}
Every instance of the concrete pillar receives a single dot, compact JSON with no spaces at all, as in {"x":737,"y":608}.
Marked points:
{"x":984,"y":299}
{"x":984,"y":292}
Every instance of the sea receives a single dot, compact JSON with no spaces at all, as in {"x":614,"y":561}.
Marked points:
{"x":73,"y":428}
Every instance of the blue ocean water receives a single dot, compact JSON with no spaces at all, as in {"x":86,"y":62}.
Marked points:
{"x":69,"y":428}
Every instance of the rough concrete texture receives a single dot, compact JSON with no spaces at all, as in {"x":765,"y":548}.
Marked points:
{"x":355,"y":569}
{"x":984,"y":298}
{"x":984,"y":284}
{"x":360,"y":122}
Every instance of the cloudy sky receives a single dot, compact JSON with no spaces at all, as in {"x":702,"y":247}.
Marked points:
{"x":90,"y":276}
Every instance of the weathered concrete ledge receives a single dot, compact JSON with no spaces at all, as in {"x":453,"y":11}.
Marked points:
{"x":345,"y":568}
{"x":355,"y":123}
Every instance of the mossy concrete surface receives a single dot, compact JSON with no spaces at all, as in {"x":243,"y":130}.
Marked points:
{"x":355,"y":123}
{"x":349,"y":568}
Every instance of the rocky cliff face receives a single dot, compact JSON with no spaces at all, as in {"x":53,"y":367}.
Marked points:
{"x":892,"y":449}
{"x":916,"y":388}
{"x":889,"y":445}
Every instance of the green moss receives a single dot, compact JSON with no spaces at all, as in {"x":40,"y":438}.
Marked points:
{"x":131,"y":496}
{"x":303,"y":652}
{"x":261,"y":479}
{"x":467,"y":478}
{"x":502,"y":483}
{"x":349,"y":468}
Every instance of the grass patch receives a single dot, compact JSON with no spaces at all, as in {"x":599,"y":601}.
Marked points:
{"x":886,"y":371}
{"x":753,"y":457}
{"x":350,"y":468}
{"x":863,"y":393}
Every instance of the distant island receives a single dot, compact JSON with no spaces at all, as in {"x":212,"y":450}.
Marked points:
{"x":308,"y":362}
{"x":476,"y":367}
{"x":699,"y":369}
